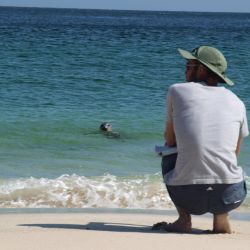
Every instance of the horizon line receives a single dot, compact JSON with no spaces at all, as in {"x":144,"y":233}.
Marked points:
{"x":145,"y":10}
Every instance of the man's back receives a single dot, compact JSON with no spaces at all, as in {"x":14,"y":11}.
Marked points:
{"x":207,"y":122}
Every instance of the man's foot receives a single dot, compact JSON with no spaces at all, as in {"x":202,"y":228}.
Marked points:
{"x":159,"y":225}
{"x":221,"y":224}
{"x":177,"y":227}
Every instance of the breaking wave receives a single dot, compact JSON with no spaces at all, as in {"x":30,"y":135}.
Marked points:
{"x":73,"y":191}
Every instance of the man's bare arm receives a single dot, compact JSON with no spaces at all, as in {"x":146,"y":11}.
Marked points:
{"x":237,"y":151}
{"x":170,"y":135}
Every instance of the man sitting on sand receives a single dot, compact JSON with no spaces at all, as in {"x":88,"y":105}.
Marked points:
{"x":207,"y":123}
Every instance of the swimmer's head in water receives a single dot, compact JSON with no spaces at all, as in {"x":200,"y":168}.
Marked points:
{"x":105,"y":126}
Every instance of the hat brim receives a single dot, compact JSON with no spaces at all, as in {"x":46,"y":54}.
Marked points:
{"x":187,"y":55}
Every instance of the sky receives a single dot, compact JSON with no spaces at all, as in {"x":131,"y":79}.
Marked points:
{"x":161,"y":5}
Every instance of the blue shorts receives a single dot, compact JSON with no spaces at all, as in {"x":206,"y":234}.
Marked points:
{"x":204,"y":198}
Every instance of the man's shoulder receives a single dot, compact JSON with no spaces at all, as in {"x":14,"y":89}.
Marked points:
{"x":177,"y":86}
{"x":182,"y":87}
{"x":232,"y":95}
{"x":232,"y":101}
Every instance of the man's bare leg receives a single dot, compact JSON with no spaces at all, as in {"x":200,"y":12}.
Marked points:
{"x":183,"y":224}
{"x":221,"y":224}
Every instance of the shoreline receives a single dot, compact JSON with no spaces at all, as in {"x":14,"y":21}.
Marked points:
{"x":239,"y":214}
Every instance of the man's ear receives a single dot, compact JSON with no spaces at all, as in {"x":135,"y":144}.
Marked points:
{"x":202,"y":69}
{"x":202,"y":72}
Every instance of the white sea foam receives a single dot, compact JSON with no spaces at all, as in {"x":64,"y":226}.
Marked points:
{"x":73,"y":191}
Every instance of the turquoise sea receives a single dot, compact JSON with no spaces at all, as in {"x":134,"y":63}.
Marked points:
{"x":64,"y":71}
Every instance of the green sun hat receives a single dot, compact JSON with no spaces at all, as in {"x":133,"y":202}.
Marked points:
{"x":210,"y":57}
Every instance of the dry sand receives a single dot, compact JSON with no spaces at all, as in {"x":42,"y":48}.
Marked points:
{"x":112,"y":231}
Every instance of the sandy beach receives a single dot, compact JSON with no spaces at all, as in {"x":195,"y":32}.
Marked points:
{"x":112,"y":231}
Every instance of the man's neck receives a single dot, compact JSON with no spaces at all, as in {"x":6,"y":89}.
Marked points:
{"x":211,"y":82}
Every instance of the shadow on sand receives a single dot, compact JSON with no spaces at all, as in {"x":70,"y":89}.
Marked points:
{"x":108,"y":227}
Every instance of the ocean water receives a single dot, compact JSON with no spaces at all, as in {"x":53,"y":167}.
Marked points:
{"x":64,"y":71}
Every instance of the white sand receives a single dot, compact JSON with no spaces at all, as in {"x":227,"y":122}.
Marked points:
{"x":111,"y":231}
